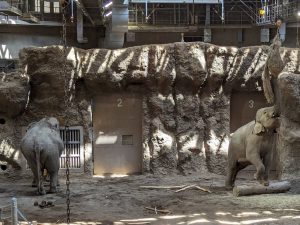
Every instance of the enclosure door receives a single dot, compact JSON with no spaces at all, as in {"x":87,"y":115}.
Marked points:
{"x":117,"y":122}
{"x":243,"y":107}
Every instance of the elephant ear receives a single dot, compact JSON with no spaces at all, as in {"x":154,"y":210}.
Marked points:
{"x":258,"y":128}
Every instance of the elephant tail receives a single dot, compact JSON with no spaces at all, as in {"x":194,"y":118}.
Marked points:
{"x":37,"y":151}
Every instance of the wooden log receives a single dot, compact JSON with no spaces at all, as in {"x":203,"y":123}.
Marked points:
{"x":163,"y":187}
{"x":274,"y":187}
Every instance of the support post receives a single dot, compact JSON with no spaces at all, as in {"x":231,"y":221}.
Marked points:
{"x":14,"y":211}
{"x":174,"y":14}
{"x":146,"y":10}
{"x":42,"y":9}
{"x":136,"y":14}
{"x":179,"y":14}
{"x":207,"y":15}
{"x":187,"y":14}
{"x":79,"y":28}
{"x":223,"y":17}
{"x":194,"y":12}
{"x":153,"y":14}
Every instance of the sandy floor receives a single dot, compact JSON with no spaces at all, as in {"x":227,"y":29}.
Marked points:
{"x":120,"y":201}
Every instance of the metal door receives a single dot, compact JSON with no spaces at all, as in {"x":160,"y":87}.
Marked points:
{"x":243,"y":107}
{"x":117,"y":122}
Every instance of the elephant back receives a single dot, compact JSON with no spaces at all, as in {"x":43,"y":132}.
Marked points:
{"x":43,"y":137}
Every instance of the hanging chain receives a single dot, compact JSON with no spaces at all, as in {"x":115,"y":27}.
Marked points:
{"x":67,"y":105}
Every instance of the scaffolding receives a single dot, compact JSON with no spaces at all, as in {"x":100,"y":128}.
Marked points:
{"x":234,"y":12}
{"x":287,"y":10}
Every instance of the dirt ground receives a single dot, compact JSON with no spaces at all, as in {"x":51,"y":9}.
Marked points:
{"x":120,"y":201}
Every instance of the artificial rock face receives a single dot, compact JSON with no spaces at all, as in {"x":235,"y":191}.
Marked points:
{"x":186,"y":89}
{"x":289,"y":145}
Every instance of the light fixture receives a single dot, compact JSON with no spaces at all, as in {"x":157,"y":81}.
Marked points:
{"x":108,"y":14}
{"x":108,"y":4}
{"x":298,"y":13}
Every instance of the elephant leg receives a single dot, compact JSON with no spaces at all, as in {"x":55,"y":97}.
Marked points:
{"x":231,"y":174}
{"x":35,"y":175}
{"x":267,"y":162}
{"x":37,"y":182}
{"x":239,"y":167}
{"x":34,"y":182}
{"x":53,"y":182}
{"x":255,"y":159}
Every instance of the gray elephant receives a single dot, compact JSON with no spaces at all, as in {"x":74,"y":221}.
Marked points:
{"x":253,"y":143}
{"x":42,"y":147}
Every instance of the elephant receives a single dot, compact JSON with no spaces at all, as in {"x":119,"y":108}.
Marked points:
{"x":42,"y":147}
{"x":253,"y":143}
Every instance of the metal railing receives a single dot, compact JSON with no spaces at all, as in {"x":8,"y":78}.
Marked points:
{"x":51,"y":11}
{"x":182,"y":14}
{"x":286,"y":11}
{"x":13,"y":213}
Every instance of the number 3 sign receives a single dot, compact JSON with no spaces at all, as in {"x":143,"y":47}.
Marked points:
{"x":251,"y":104}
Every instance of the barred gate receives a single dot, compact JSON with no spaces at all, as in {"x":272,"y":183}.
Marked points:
{"x":75,"y":144}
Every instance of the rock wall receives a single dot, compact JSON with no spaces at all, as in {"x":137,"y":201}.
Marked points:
{"x":186,"y":90}
{"x":289,"y":141}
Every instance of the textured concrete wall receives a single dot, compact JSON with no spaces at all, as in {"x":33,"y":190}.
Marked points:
{"x":186,"y":90}
{"x":14,"y":38}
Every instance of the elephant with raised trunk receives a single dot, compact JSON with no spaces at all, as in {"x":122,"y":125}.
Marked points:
{"x":42,"y":147}
{"x":253,"y":143}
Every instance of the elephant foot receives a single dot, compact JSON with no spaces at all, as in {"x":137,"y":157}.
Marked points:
{"x":52,"y":190}
{"x":255,"y":176}
{"x":264,"y":182}
{"x":42,"y":192}
{"x":228,"y":188}
{"x":34,"y":183}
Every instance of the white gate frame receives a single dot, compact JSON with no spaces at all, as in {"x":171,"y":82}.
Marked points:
{"x":81,"y":169}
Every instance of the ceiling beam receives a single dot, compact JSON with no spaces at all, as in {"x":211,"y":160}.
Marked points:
{"x":84,"y":11}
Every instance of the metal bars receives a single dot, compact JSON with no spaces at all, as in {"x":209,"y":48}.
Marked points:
{"x":74,"y":145}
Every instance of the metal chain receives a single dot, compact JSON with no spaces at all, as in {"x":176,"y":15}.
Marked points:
{"x":67,"y":105}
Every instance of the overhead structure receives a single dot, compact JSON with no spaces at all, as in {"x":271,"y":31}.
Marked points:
{"x":179,"y":1}
{"x":81,"y":6}
{"x":28,"y":17}
{"x":9,"y":10}
{"x":118,"y":24}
